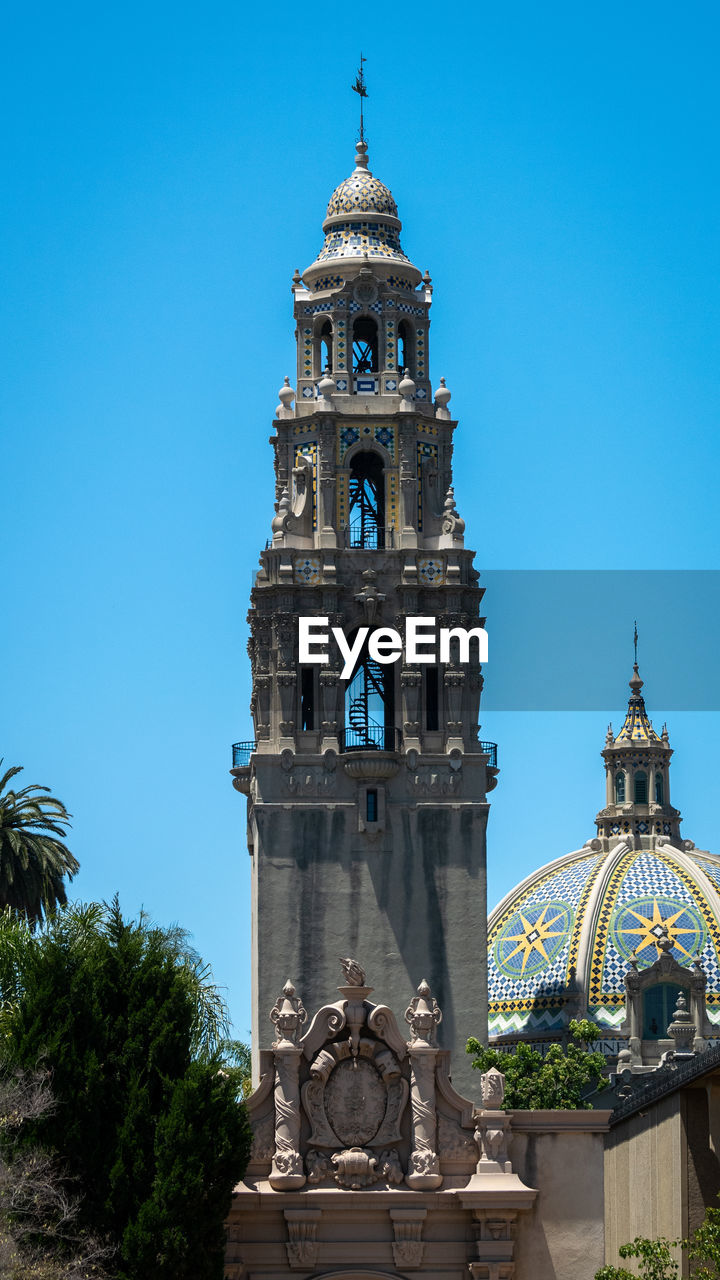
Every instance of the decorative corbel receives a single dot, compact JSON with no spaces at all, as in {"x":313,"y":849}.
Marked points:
{"x":369,"y":597}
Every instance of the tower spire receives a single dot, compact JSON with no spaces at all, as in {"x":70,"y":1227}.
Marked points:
{"x":637,"y":804}
{"x":360,"y":88}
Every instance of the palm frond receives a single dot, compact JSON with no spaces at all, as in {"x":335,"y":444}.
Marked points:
{"x":34,"y":859}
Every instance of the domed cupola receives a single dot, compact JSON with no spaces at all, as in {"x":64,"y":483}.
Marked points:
{"x":615,"y":930}
{"x":361,"y":228}
{"x":637,"y":768}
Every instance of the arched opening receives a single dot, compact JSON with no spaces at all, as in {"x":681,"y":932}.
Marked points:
{"x":405,"y":352}
{"x":640,"y":784}
{"x":326,"y":347}
{"x":370,"y":705}
{"x":322,"y":348}
{"x":366,"y":501}
{"x":620,"y":788}
{"x":659,"y":789}
{"x":658,"y":1008}
{"x":365,"y":345}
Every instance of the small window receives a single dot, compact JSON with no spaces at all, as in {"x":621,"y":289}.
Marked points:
{"x":371,"y":806}
{"x":659,"y":789}
{"x":619,"y":788}
{"x":307,"y":698}
{"x":432,"y":719}
{"x":641,"y":793}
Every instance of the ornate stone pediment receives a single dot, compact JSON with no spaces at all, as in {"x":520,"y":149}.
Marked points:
{"x":352,"y":1103}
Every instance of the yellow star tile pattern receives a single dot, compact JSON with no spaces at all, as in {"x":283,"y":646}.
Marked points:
{"x":531,"y":939}
{"x":533,"y":936}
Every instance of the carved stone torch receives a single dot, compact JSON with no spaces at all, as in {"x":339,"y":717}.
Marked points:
{"x":288,"y":1016}
{"x":423,"y":1016}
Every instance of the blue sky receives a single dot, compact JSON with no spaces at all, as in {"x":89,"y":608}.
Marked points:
{"x":166,"y":169}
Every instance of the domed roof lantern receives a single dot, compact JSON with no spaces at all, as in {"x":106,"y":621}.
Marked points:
{"x":637,"y":776}
{"x":361,"y":227}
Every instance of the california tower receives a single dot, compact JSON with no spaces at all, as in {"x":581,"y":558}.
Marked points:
{"x":367,"y":796}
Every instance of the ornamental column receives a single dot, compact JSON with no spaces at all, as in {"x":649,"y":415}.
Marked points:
{"x":288,"y":1015}
{"x":423,"y":1016}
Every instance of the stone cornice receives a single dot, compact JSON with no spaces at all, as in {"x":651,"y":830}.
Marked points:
{"x":560,"y":1121}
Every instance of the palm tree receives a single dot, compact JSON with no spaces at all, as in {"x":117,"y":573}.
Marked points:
{"x":33,"y":860}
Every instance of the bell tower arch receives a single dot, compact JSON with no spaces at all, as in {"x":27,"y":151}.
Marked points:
{"x":367,"y":797}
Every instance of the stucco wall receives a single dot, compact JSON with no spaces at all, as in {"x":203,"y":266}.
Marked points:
{"x":409,"y":905}
{"x":563,"y":1237}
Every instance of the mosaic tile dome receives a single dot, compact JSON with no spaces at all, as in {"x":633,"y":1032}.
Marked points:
{"x":361,"y":224}
{"x":577,"y":922}
{"x":361,"y":193}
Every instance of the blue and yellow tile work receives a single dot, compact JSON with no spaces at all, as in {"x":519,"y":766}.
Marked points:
{"x":364,"y":192}
{"x":583,"y":917}
{"x":362,"y":239}
{"x":529,"y":946}
{"x":382,"y":433}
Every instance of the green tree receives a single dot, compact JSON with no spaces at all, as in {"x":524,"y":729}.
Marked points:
{"x":560,"y":1080}
{"x":656,"y":1261}
{"x":126,"y":1018}
{"x":236,"y":1055}
{"x":34,"y":859}
{"x":704,"y":1247}
{"x":654,"y":1256}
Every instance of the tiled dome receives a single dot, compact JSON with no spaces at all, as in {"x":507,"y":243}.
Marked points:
{"x":361,"y":193}
{"x":577,"y":922}
{"x":361,"y":224}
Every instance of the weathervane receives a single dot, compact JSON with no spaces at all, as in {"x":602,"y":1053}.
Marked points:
{"x":359,"y":88}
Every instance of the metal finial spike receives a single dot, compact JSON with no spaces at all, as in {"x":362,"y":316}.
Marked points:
{"x":635,"y":640}
{"x":360,"y":88}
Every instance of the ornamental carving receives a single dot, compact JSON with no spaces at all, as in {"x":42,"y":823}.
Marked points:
{"x":309,"y":780}
{"x":454,"y":1142}
{"x":301,"y":1244}
{"x":354,"y":1168}
{"x":287,"y":1016}
{"x":433,"y":782}
{"x":355,"y":1100}
{"x":493,"y":1089}
{"x":263,"y":1143}
{"x":408,"y":1246}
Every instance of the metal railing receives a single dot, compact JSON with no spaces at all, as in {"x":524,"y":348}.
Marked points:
{"x":370,"y":737}
{"x":489,"y":749}
{"x":370,"y":538}
{"x":241,"y":753}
